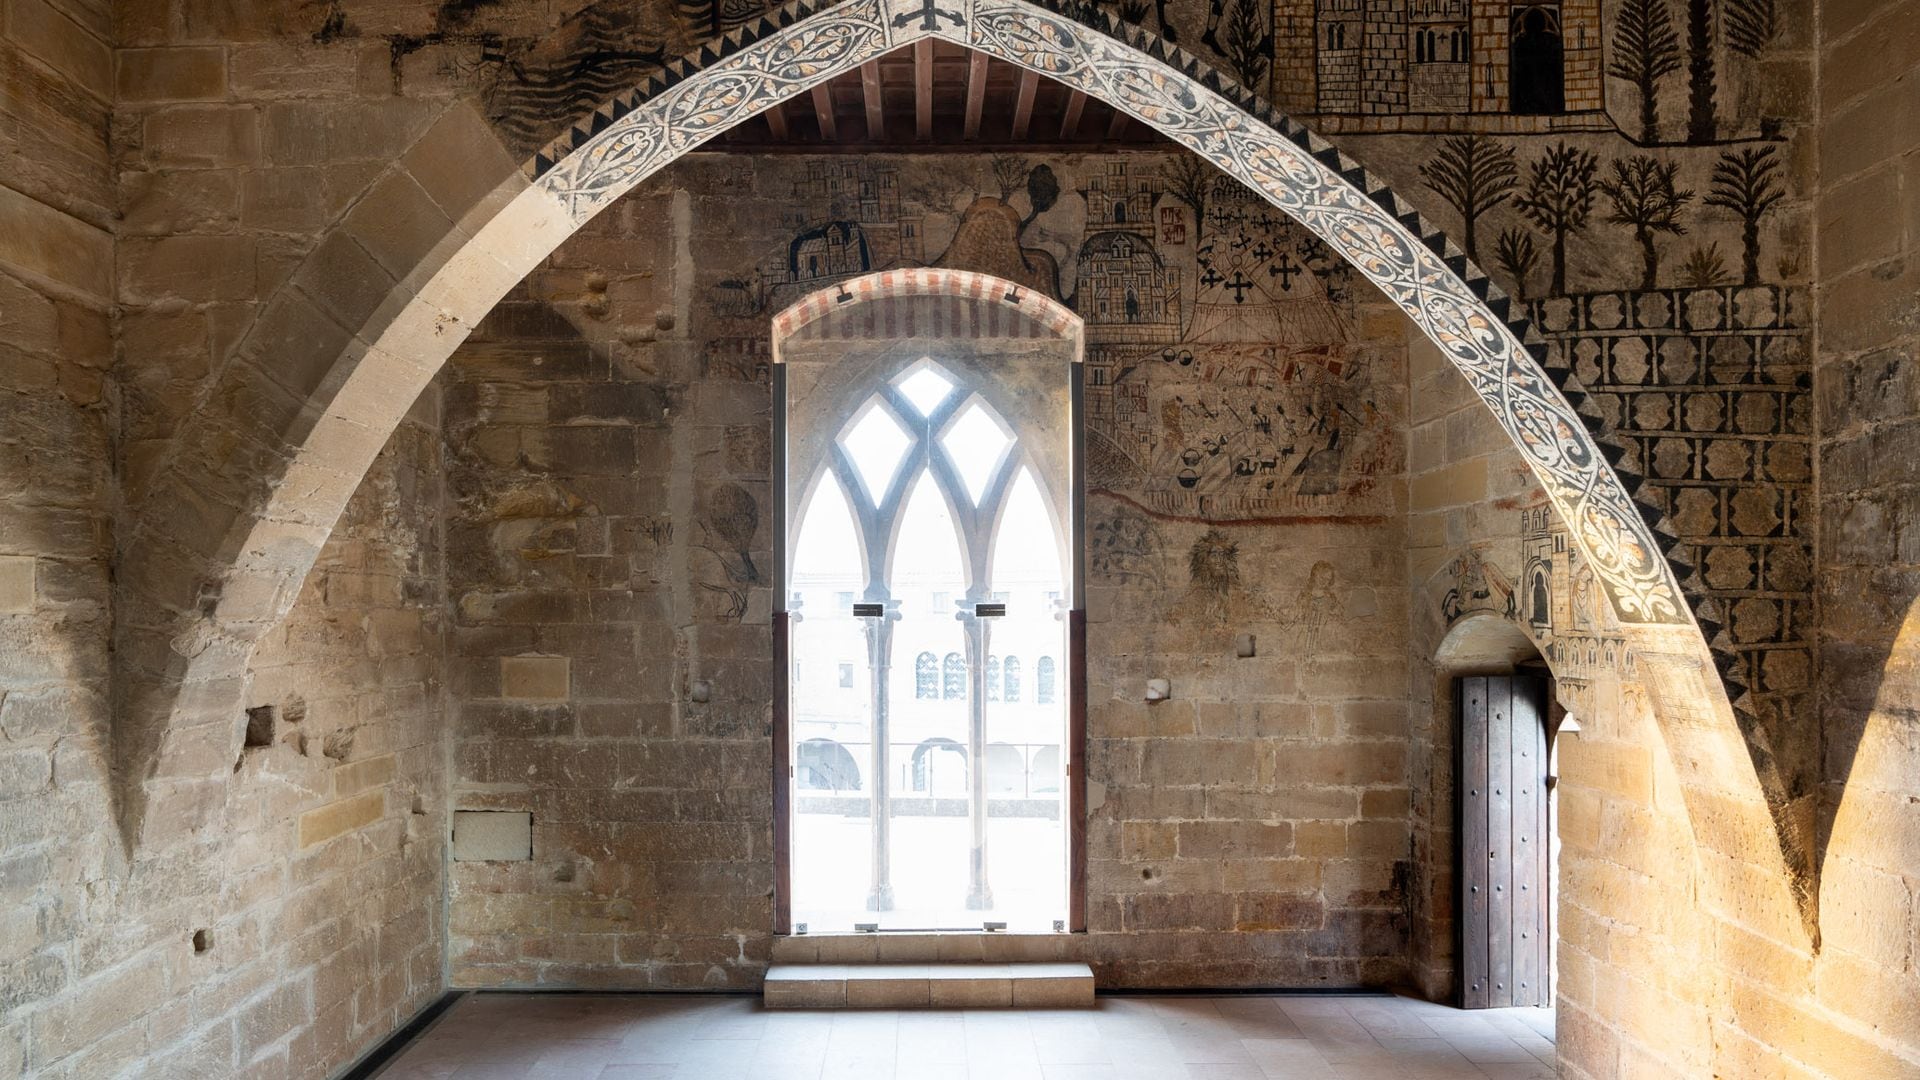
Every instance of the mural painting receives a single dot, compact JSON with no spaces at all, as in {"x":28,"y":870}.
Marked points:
{"x":1542,"y":585}
{"x":1225,"y":376}
{"x":1227,"y":380}
{"x":1476,"y":587}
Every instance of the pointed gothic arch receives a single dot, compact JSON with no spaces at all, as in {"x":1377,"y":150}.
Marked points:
{"x":243,"y":500}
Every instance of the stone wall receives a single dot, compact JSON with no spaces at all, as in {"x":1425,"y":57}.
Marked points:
{"x":301,"y":924}
{"x":56,"y":503}
{"x":304,"y":925}
{"x":587,"y":433}
{"x":1868,"y":387}
{"x":1253,"y":829}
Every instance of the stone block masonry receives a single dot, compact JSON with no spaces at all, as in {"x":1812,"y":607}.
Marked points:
{"x":1867,"y":579}
{"x":588,"y":596}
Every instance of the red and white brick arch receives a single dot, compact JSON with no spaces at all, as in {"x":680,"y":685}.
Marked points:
{"x":242,"y":503}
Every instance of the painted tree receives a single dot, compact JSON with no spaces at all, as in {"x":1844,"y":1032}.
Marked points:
{"x":1751,"y":26}
{"x":1514,"y":250}
{"x":1558,"y":199}
{"x":1644,"y":197}
{"x":1645,"y":50}
{"x":1136,"y":11}
{"x":1189,"y":178}
{"x":1700,"y":122}
{"x":1247,"y":42}
{"x":1043,"y":190}
{"x":1009,"y":172}
{"x":1704,"y":268}
{"x":1474,"y":174}
{"x":1746,"y":181}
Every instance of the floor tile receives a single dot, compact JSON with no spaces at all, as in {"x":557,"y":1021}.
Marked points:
{"x":1229,"y":1037}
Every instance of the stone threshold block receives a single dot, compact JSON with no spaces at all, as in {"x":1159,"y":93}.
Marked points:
{"x":928,"y":986}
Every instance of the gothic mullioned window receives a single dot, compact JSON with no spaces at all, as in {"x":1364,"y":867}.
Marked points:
{"x":930,"y":558}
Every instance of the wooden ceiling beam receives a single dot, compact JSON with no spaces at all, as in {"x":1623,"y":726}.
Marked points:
{"x":1023,"y":103}
{"x":823,"y":112}
{"x":923,"y":89}
{"x":876,"y":111}
{"x":1117,"y":126}
{"x":1070,"y":123}
{"x":976,"y":94}
{"x":777,"y":121}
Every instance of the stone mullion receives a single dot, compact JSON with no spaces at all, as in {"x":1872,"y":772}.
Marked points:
{"x":879,"y":669}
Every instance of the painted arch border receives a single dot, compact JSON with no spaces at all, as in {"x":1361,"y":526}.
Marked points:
{"x":787,"y":52}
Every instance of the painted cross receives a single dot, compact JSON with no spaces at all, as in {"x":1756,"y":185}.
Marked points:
{"x":1284,"y":270}
{"x":930,"y":14}
{"x":1211,"y":277}
{"x":1239,"y":285}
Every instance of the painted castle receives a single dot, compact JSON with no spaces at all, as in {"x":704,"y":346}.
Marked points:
{"x":1539,"y":66}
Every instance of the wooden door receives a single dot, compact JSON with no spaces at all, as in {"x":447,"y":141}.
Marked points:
{"x":1505,"y":906}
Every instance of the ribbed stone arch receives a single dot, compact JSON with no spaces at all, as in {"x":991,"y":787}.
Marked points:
{"x":254,"y":483}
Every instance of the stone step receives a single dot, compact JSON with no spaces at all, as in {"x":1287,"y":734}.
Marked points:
{"x":924,"y":986}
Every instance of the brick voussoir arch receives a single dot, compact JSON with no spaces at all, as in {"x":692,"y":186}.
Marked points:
{"x":925,"y":281}
{"x":408,"y":333}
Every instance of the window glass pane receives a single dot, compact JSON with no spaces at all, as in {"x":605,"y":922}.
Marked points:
{"x":926,"y":677}
{"x":827,"y":556}
{"x":975,"y":443}
{"x":926,"y":388}
{"x":877,"y":445}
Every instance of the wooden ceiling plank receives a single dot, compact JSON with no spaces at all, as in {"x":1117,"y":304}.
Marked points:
{"x":1070,"y":123}
{"x":870,"y":89}
{"x":823,"y":112}
{"x":1117,"y":126}
{"x":976,"y":94}
{"x":1023,"y":103}
{"x":923,"y":89}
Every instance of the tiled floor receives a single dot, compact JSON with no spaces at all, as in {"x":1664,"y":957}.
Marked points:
{"x":579,"y":1037}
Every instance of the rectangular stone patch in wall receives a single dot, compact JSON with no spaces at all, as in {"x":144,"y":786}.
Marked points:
{"x":16,"y":583}
{"x":535,"y":678}
{"x":333,"y":819}
{"x":492,"y":836}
